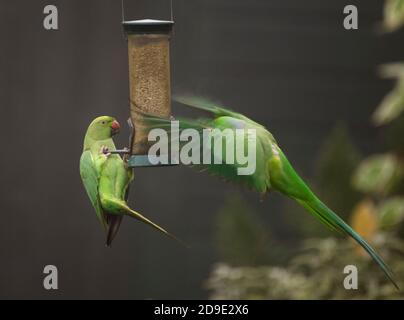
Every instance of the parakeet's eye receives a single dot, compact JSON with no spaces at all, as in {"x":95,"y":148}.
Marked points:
{"x":102,"y":122}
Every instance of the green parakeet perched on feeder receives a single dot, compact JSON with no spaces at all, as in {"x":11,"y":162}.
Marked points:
{"x":106,"y":177}
{"x":273,"y":170}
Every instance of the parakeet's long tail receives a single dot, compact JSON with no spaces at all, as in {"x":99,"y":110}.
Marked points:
{"x":289,"y":183}
{"x":113,"y":224}
{"x":143,"y":219}
{"x":330,"y":218}
{"x":120,"y":206}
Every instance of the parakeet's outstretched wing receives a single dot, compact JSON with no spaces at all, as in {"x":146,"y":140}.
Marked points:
{"x":217,"y":111}
{"x":229,"y":171}
{"x":206,"y":105}
{"x":209,"y":106}
{"x":90,"y":179}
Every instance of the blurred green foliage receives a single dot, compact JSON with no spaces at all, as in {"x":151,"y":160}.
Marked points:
{"x":255,"y":283}
{"x":316,"y":273}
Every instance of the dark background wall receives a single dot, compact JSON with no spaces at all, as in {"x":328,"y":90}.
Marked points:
{"x":289,"y":64}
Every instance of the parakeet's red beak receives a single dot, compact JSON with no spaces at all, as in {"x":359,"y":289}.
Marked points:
{"x":115,"y":127}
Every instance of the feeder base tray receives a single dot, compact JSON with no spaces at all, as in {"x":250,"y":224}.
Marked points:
{"x":144,"y":161}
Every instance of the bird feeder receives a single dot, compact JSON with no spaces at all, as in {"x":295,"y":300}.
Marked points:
{"x":149,"y":79}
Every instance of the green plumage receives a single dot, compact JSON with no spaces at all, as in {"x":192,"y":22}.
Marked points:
{"x":273,"y":170}
{"x":106,"y":178}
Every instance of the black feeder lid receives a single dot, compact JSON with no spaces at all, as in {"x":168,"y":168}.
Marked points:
{"x":147,"y":26}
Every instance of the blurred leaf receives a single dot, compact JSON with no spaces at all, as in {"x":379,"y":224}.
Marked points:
{"x":377,"y":174}
{"x":393,"y":15}
{"x":391,"y":212}
{"x":393,"y":104}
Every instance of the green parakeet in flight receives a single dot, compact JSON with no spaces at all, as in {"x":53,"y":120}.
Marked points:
{"x":106,"y":177}
{"x":273,"y":170}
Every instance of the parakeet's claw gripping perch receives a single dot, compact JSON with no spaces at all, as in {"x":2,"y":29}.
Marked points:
{"x":105,"y":151}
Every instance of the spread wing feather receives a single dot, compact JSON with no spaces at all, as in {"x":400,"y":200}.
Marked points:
{"x":259,"y":180}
